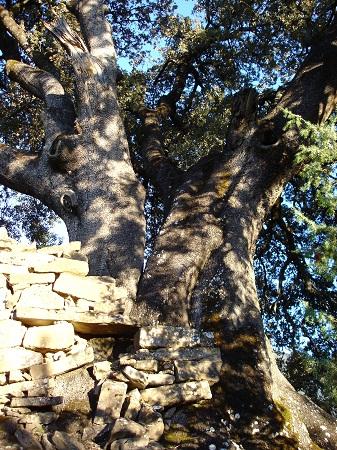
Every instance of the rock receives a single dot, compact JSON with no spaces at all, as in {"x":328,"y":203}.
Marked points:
{"x":42,"y":391}
{"x":64,"y":441}
{"x":38,"y":418}
{"x":174,"y":394}
{"x":89,"y":288}
{"x":46,"y":444}
{"x":160,"y":379}
{"x":35,"y":401}
{"x":11,"y":269}
{"x":11,"y":334}
{"x":101,"y":370}
{"x":154,"y":446}
{"x":5,"y":313}
{"x":16,"y":412}
{"x":3,"y":379}
{"x":22,"y":258}
{"x":90,"y":322}
{"x":50,"y":338}
{"x":84,"y":305}
{"x":150,"y":365}
{"x":17,"y":389}
{"x":130,"y":444}
{"x":137,"y":378}
{"x":26,"y":440}
{"x":31,"y":278}
{"x":15,"y":376}
{"x":173,"y":337}
{"x":125,"y":428}
{"x":118,"y":376}
{"x":58,"y":250}
{"x":52,"y":368}
{"x":59,"y":265}
{"x":18,"y":358}
{"x":74,"y":387}
{"x":132,"y":405}
{"x":12,"y":299}
{"x":40,"y":297}
{"x":3,"y":234}
{"x":163,"y":354}
{"x":205,"y":369}
{"x":79,"y":346}
{"x":110,"y":401}
{"x":152,"y":421}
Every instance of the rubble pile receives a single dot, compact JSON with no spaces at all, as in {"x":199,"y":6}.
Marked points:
{"x":49,"y":309}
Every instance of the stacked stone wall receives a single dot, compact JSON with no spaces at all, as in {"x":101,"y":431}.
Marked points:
{"x":49,"y":309}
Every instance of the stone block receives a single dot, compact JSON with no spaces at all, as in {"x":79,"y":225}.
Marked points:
{"x":90,"y":322}
{"x":15,"y":376}
{"x":167,"y":354}
{"x":60,"y":265}
{"x":31,"y":278}
{"x":11,"y":333}
{"x":88,"y":288}
{"x":3,"y":281}
{"x":27,"y":440}
{"x":125,"y":428}
{"x":50,"y":338}
{"x":174,"y":394}
{"x":64,"y":441}
{"x":39,"y":418}
{"x":115,"y":306}
{"x":173,"y":337}
{"x":101,"y":370}
{"x":5,"y":314}
{"x":147,"y":365}
{"x":110,"y":401}
{"x":58,"y":250}
{"x":52,"y":368}
{"x":74,"y":387}
{"x":11,"y":269}
{"x":132,"y":405}
{"x":130,"y":444}
{"x":35,"y":401}
{"x":17,"y":389}
{"x":24,"y":258}
{"x":205,"y":369}
{"x":40,"y":297}
{"x":137,"y":378}
{"x":18,"y":358}
{"x":152,"y":421}
{"x":160,"y":379}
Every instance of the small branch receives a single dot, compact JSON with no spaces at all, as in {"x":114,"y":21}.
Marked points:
{"x":14,"y":29}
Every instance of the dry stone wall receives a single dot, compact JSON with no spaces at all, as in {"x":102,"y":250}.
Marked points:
{"x":49,"y":309}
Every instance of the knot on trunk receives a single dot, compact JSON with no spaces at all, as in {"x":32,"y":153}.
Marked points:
{"x":62,"y":154}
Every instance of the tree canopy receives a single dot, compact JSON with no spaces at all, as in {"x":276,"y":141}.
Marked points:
{"x":180,"y":81}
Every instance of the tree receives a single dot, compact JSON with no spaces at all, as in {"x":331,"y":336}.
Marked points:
{"x":215,"y":155}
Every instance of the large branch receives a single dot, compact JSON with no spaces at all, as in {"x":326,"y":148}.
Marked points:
{"x":156,"y":165}
{"x":96,"y":29}
{"x":15,"y":30}
{"x":18,"y":170}
{"x":46,"y":87}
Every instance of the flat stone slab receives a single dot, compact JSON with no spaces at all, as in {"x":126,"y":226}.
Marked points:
{"x":10,"y":269}
{"x":59,"y":265}
{"x":52,"y":368}
{"x":18,"y":358}
{"x":152,"y":421}
{"x":110,"y":401}
{"x":58,"y":250}
{"x":89,"y":288}
{"x":50,"y":338}
{"x":31,"y":278}
{"x":64,"y":441}
{"x":35,"y":401}
{"x":205,"y":369}
{"x":40,"y":297}
{"x":126,"y":428}
{"x":17,"y":389}
{"x":163,"y":354}
{"x":88,"y":322}
{"x":11,"y":333}
{"x":174,"y":394}
{"x":21,"y":258}
{"x":173,"y":337}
